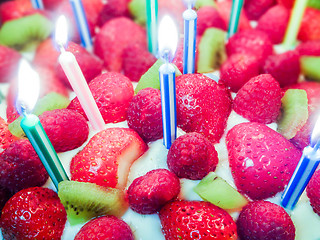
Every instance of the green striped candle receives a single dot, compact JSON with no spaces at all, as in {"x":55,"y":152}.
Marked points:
{"x":234,"y":17}
{"x":152,"y":25}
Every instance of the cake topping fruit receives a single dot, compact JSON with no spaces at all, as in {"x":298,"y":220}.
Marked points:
{"x":313,"y":192}
{"x":256,"y":8}
{"x":191,"y":220}
{"x":107,"y":157}
{"x":192,"y":156}
{"x":112,"y":9}
{"x":310,"y":29}
{"x":265,"y":220}
{"x":33,"y":213}
{"x":261,"y":160}
{"x":9,"y":59}
{"x":6,"y":137}
{"x":148,"y":193}
{"x":309,"y":67}
{"x":209,"y":17}
{"x":84,"y":201}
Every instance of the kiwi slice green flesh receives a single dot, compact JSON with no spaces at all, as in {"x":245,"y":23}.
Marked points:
{"x":83,"y":201}
{"x":151,"y":77}
{"x":216,"y":190}
{"x":137,"y":9}
{"x":314,"y":4}
{"x":212,"y":52}
{"x":49,"y":102}
{"x":26,"y":32}
{"x":203,"y":3}
{"x":310,"y":67}
{"x":294,"y":112}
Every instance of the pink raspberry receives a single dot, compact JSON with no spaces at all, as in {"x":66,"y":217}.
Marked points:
{"x":313,"y":192}
{"x":256,"y":8}
{"x":209,"y":17}
{"x":310,"y":48}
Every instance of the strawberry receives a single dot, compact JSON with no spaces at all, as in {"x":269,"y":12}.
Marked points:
{"x":6,"y":138}
{"x":114,"y":37}
{"x":286,"y":3}
{"x":208,"y":17}
{"x":9,"y":61}
{"x":113,"y":9}
{"x":192,"y":156}
{"x":238,"y":70}
{"x":196,"y":220}
{"x":136,"y":61}
{"x":253,"y":42}
{"x":148,"y":193}
{"x":145,"y":115}
{"x":51,"y":4}
{"x":91,"y":66}
{"x":66,"y":129}
{"x":285,"y":67}
{"x":313,"y":192}
{"x":265,"y":220}
{"x":310,"y":48}
{"x":112,"y":93}
{"x":203,"y":106}
{"x":33,"y":213}
{"x":13,"y":9}
{"x":20,"y":167}
{"x":106,"y":227}
{"x":5,"y":195}
{"x":261,"y":160}
{"x":274,"y":23}
{"x":259,"y":100}
{"x":256,"y":8}
{"x":310,"y":28}
{"x":46,"y":55}
{"x":106,"y":159}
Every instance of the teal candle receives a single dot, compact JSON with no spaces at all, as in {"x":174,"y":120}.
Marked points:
{"x":37,"y":136}
{"x":152,"y":25}
{"x":234,"y":17}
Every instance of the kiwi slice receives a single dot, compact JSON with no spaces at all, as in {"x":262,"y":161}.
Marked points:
{"x":294,"y":112}
{"x":310,"y":67}
{"x":25,"y":33}
{"x":151,"y":77}
{"x":212,"y":52}
{"x":216,"y":190}
{"x":49,"y":102}
{"x":314,"y":4}
{"x":203,"y":3}
{"x":83,"y":201}
{"x":137,"y":9}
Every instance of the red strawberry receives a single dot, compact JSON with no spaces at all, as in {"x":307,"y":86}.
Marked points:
{"x":310,"y":48}
{"x":145,"y":115}
{"x":203,"y":106}
{"x":259,"y":100}
{"x":224,"y":8}
{"x":106,"y":227}
{"x":13,"y":9}
{"x":66,"y":129}
{"x":51,"y":4}
{"x":192,"y":156}
{"x":265,"y":220}
{"x":310,"y":28}
{"x":285,"y":67}
{"x":9,"y":61}
{"x":136,"y":61}
{"x":106,"y":159}
{"x":5,"y":195}
{"x":256,"y":8}
{"x":189,"y":220}
{"x":46,"y":55}
{"x":274,"y":23}
{"x":148,"y":193}
{"x":91,"y":65}
{"x":20,"y":167}
{"x":313,"y":192}
{"x":6,"y":138}
{"x":261,"y":160}
{"x":238,"y":70}
{"x":33,"y":213}
{"x":114,"y":37}
{"x":112,"y":93}
{"x":253,"y":42}
{"x":113,"y":9}
{"x":286,"y":3}
{"x":208,"y":16}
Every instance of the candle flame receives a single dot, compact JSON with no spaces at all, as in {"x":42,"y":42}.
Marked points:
{"x":61,"y":31}
{"x":28,"y":87}
{"x":168,"y":38}
{"x":315,"y":136}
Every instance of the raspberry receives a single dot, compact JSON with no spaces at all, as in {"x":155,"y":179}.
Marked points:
{"x":256,"y":8}
{"x":313,"y":192}
{"x":310,"y":48}
{"x":209,"y":17}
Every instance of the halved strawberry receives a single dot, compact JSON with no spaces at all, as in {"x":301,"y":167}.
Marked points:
{"x":6,"y":138}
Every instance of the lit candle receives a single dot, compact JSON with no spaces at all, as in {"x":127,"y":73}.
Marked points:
{"x":190,"y":32}
{"x":234,"y":17}
{"x":152,"y":25}
{"x":37,"y":4}
{"x":82,"y":23}
{"x":28,"y":91}
{"x":294,"y":23}
{"x":75,"y":76}
{"x":168,"y":39}
{"x":306,"y":167}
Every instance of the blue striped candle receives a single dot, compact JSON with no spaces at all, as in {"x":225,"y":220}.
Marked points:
{"x":189,"y":46}
{"x":82,"y":23}
{"x":37,"y":4}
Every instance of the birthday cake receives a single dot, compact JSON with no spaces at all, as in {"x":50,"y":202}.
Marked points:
{"x":243,"y":121}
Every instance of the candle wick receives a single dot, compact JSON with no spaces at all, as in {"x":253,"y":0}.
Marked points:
{"x":61,"y":47}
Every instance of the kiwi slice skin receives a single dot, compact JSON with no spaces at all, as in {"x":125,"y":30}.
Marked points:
{"x":137,"y":9}
{"x":49,"y":102}
{"x":310,"y":67}
{"x":212,"y":52}
{"x":294,"y":101}
{"x":216,"y":190}
{"x":84,"y":200}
